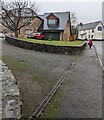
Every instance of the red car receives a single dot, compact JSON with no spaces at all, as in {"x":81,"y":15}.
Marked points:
{"x":36,"y":35}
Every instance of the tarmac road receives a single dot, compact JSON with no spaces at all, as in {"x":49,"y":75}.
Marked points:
{"x":81,"y":92}
{"x":41,"y":73}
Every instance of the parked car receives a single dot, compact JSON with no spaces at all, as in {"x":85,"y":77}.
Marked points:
{"x":2,"y":35}
{"x":36,"y":35}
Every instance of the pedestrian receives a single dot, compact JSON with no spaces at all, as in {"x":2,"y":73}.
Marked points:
{"x":90,"y":43}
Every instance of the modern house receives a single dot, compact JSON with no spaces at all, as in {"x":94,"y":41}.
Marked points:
{"x":32,"y":27}
{"x":92,"y":30}
{"x":56,"y":25}
{"x":24,"y":22}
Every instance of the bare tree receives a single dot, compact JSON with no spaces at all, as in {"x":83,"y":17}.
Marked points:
{"x":73,"y":22}
{"x":73,"y":18}
{"x":17,"y":14}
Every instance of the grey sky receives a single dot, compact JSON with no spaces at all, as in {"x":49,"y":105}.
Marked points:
{"x":85,"y":11}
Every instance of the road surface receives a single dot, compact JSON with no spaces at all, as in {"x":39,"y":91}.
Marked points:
{"x":80,"y":94}
{"x":36,"y":72}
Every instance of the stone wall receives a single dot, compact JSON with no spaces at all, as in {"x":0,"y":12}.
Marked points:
{"x":33,"y":26}
{"x":10,"y":102}
{"x":46,"y":48}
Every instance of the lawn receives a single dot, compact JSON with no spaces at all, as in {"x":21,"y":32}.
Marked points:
{"x":57,"y":43}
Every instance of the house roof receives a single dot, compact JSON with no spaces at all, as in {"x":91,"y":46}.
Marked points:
{"x":41,"y":16}
{"x":88,"y":26}
{"x":51,"y":14}
{"x":63,"y":17}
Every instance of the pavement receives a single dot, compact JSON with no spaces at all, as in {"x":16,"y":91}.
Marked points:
{"x":81,"y":91}
{"x":99,"y":50}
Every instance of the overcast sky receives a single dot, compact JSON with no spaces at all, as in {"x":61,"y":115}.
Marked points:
{"x":87,"y":11}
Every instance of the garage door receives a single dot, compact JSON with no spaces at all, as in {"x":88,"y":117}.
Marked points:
{"x":53,"y":36}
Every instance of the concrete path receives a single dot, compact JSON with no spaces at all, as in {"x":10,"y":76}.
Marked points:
{"x":81,"y":92}
{"x":99,"y":46}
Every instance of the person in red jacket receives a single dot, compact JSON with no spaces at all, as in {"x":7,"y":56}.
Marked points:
{"x":90,"y":43}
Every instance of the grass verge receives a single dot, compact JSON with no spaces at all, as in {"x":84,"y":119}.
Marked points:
{"x":53,"y":42}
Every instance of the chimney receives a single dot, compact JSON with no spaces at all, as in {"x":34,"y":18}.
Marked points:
{"x":81,"y":24}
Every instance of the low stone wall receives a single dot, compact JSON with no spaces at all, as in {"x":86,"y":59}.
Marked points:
{"x":46,"y":48}
{"x":10,"y":96}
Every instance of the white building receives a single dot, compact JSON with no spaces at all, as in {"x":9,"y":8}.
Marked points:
{"x":92,"y":30}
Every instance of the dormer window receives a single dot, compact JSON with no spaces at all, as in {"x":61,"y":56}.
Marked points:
{"x":52,"y":21}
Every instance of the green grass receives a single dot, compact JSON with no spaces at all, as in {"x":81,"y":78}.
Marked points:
{"x":13,"y":63}
{"x":53,"y":42}
{"x":52,"y":108}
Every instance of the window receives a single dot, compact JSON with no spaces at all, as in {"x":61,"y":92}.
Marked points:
{"x":99,"y":28}
{"x":52,"y":22}
{"x":92,"y":31}
{"x":91,"y":36}
{"x":28,"y":31}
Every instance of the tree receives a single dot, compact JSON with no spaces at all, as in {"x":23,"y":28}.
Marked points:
{"x":17,"y":14}
{"x":73,"y":22}
{"x":73,"y":18}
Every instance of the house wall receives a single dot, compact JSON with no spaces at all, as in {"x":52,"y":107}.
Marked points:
{"x":91,"y":35}
{"x":33,"y":27}
{"x":98,"y":34}
{"x":82,"y":32}
{"x":103,"y":33}
{"x":65,"y":35}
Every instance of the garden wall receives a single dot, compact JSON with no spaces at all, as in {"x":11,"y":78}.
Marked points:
{"x":10,"y":100}
{"x":46,"y":48}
